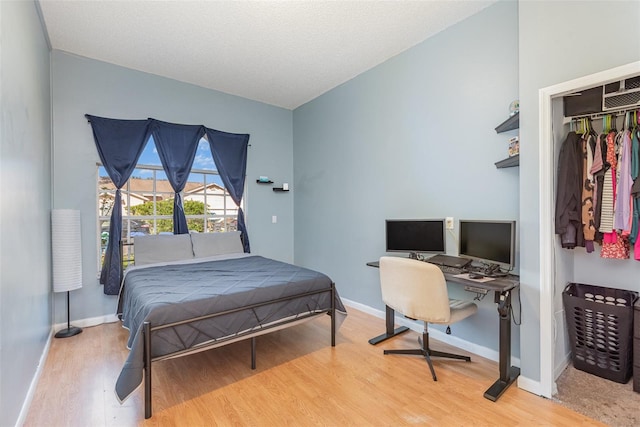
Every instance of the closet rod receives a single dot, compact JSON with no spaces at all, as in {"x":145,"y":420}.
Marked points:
{"x":595,"y":116}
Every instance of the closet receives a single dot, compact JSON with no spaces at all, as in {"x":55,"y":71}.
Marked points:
{"x":597,"y":203}
{"x":594,"y":126}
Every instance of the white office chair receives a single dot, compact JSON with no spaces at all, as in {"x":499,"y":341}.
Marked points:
{"x":418,"y":290}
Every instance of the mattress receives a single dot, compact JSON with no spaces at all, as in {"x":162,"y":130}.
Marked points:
{"x":176,"y":292}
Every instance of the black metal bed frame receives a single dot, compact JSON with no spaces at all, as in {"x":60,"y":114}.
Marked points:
{"x":147,"y":330}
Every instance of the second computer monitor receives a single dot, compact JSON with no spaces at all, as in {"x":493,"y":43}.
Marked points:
{"x":415,"y":236}
{"x":491,"y":242}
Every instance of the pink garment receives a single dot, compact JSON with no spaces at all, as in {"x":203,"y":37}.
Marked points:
{"x":614,"y":246}
{"x":622,"y":206}
{"x":610,"y":238}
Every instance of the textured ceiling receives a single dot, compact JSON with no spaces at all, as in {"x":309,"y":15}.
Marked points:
{"x":283,"y":53}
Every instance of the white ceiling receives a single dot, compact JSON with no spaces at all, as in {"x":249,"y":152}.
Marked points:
{"x":283,"y":53}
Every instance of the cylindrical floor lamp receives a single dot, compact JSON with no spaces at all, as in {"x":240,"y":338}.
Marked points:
{"x":67,"y":258}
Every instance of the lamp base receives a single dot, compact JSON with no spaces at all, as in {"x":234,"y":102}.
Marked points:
{"x":68,"y":332}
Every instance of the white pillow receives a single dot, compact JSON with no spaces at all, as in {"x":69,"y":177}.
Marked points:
{"x":210,"y":244}
{"x":161,"y":248}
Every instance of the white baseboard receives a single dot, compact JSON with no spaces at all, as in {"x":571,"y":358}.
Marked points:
{"x":364,"y":308}
{"x":561,"y":366}
{"x":532,"y":386}
{"x":559,"y":369}
{"x":87,"y":323}
{"x":34,"y":383}
{"x":416,"y":326}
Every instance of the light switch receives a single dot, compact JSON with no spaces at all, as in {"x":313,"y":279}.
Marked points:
{"x":274,"y":219}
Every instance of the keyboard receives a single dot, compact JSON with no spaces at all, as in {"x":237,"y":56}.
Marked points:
{"x":451,"y":270}
{"x":448,"y":261}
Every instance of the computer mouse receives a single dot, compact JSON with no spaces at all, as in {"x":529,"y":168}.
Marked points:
{"x":475,"y":276}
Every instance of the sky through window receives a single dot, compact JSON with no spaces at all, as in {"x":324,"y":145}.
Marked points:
{"x":149,"y":156}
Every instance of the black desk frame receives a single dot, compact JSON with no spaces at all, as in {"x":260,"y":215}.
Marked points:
{"x":502,"y":288}
{"x":391,"y":330}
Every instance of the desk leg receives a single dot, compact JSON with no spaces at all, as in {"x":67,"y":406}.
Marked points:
{"x":507,"y":374}
{"x":391,"y":332}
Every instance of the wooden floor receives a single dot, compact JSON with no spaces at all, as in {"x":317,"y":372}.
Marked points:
{"x":300,"y":381}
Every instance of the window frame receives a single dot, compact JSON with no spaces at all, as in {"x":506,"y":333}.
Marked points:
{"x":228,"y":205}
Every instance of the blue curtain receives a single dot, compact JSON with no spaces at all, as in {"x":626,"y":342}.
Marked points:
{"x":177,"y":145}
{"x":230,"y":155}
{"x":119,"y":144}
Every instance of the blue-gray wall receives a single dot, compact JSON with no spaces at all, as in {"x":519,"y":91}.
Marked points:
{"x":559,"y":41}
{"x":412,"y":138}
{"x":81,"y":85}
{"x":25,"y":201}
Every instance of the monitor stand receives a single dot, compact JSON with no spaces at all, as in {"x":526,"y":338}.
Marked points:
{"x":413,"y":255}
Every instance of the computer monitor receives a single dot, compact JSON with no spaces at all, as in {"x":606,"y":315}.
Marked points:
{"x":415,"y":236}
{"x":491,"y":242}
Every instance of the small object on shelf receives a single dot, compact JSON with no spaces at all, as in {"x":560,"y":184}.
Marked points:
{"x":264,"y":180}
{"x":513,"y":122}
{"x":514,"y":146}
{"x":514,"y":107}
{"x":285,"y":186}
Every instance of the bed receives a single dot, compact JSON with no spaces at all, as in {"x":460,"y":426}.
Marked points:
{"x":193,"y":292}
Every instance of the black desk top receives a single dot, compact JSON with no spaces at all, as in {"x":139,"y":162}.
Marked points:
{"x":498,"y":284}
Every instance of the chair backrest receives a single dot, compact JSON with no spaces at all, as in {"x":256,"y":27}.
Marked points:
{"x":415,"y":288}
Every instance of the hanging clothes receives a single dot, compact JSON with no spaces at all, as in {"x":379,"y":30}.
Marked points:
{"x":598,"y":170}
{"x":635,"y":191}
{"x":588,"y":225}
{"x":598,"y":189}
{"x":568,"y":222}
{"x":614,"y":244}
{"x":623,"y":209}
{"x":606,"y":209}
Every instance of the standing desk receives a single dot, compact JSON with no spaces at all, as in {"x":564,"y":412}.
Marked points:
{"x":502,"y":288}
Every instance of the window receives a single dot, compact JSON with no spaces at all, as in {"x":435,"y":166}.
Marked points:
{"x":147,"y":200}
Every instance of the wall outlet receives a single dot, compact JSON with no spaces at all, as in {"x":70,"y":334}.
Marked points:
{"x":449,"y":222}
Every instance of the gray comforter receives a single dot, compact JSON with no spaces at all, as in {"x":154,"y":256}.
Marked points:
{"x":172,"y":293}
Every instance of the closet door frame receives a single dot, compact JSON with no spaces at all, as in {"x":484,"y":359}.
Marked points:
{"x":546,"y":169}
